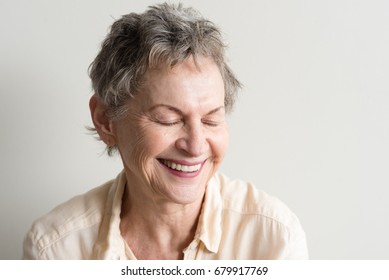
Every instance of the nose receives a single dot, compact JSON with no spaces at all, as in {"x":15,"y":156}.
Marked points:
{"x":193,"y":140}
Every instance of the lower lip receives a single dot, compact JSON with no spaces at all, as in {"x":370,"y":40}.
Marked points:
{"x":184,"y":174}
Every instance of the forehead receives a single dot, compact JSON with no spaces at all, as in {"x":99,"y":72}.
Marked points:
{"x":192,"y":80}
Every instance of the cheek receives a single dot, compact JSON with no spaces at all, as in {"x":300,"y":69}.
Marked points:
{"x":219,"y":144}
{"x":138,"y":146}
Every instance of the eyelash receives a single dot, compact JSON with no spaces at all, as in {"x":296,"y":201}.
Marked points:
{"x":209,"y":123}
{"x":169,"y":123}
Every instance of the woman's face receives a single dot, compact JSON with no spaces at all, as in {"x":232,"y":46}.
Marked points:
{"x":175,"y":134}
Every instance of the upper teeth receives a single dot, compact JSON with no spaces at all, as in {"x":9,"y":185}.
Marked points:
{"x":181,"y":167}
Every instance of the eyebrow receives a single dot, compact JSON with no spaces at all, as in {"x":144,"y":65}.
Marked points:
{"x":178,"y":111}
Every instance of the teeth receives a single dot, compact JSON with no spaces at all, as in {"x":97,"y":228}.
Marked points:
{"x":181,"y":167}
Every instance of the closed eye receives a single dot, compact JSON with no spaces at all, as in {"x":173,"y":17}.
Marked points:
{"x":210,"y":123}
{"x":171,"y":123}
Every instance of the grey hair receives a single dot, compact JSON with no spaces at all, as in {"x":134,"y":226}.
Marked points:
{"x":165,"y":34}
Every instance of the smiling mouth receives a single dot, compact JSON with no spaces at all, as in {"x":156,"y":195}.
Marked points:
{"x":181,"y":167}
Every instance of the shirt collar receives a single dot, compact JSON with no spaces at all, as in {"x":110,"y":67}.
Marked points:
{"x":209,"y":226}
{"x":110,"y":244}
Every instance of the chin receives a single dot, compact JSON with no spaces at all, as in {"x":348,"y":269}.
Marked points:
{"x":183,"y":188}
{"x":187,"y":194}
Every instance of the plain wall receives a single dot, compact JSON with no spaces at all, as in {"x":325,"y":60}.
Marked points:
{"x":311,"y":125}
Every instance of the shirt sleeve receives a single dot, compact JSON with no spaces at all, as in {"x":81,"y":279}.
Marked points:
{"x":297,"y":248}
{"x":30,"y":248}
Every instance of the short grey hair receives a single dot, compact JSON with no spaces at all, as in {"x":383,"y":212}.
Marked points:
{"x":165,"y":34}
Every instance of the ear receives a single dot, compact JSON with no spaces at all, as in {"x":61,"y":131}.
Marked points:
{"x":102,"y":123}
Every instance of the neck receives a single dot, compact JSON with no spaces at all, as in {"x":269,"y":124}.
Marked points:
{"x":166,"y":227}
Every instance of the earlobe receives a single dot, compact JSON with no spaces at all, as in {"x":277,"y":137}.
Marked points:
{"x":102,"y":123}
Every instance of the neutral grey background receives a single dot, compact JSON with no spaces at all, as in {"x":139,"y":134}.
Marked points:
{"x":311,"y":125}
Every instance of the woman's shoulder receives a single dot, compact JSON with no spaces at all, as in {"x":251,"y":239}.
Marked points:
{"x":77,"y":208}
{"x":70,"y":218}
{"x":247,"y":199}
{"x":262,"y":225}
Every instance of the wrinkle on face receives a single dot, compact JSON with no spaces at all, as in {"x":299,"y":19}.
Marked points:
{"x":193,"y":114}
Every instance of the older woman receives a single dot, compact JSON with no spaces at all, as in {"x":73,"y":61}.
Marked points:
{"x":162,"y":89}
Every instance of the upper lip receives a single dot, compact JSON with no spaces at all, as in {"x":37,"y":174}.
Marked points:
{"x":184,"y":162}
